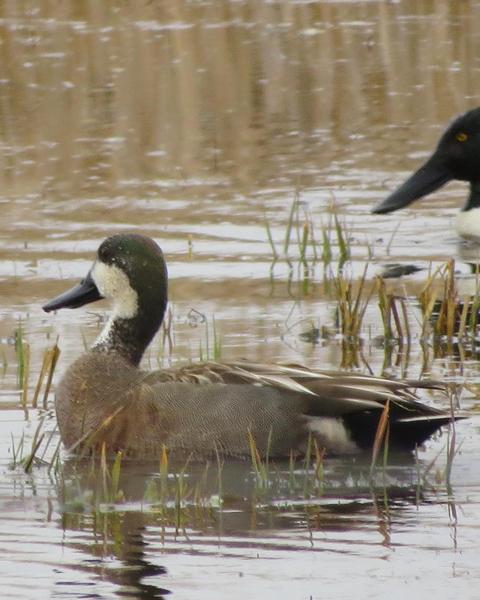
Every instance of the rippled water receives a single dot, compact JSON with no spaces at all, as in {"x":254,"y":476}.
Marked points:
{"x":200,"y":123}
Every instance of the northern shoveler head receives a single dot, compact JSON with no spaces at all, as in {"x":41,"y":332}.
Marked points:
{"x":457,"y":156}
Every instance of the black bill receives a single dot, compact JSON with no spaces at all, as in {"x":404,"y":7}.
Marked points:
{"x":83,"y":293}
{"x":431,"y":176}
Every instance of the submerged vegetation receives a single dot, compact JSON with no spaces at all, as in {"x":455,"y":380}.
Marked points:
{"x":302,"y":248}
{"x":444,"y":315}
{"x":105,"y":483}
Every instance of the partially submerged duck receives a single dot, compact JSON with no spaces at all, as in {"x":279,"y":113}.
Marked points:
{"x":457,"y":156}
{"x":209,"y":408}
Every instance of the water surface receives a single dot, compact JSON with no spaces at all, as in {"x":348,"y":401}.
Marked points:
{"x":200,"y":123}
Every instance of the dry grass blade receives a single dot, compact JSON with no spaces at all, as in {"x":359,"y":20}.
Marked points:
{"x":319,"y":456}
{"x":271,"y":241}
{"x":403,"y":306}
{"x":115,"y":477}
{"x":291,"y":217}
{"x":313,"y":239}
{"x":427,"y":309}
{"x":428,"y":299}
{"x":49,"y":362}
{"x":260,"y":466}
{"x":463,"y":320}
{"x":26,"y":372}
{"x":327,"y":253}
{"x":31,"y":458}
{"x":451,"y":299}
{"x":88,"y":440}
{"x":254,"y":453}
{"x":343,"y":247}
{"x":103,"y":469}
{"x":452,"y":447}
{"x":385,"y":305}
{"x":304,"y":241}
{"x":163,"y":474}
{"x":53,"y":357}
{"x":443,"y":311}
{"x":22,"y":350}
{"x":41,"y":376}
{"x":380,"y":435}
{"x":396,"y":319}
{"x":352,"y":305}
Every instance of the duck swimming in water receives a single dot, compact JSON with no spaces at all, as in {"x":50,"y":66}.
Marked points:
{"x":457,"y":156}
{"x":209,"y":408}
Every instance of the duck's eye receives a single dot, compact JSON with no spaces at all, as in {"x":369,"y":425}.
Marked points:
{"x":461,"y":137}
{"x":104,"y":254}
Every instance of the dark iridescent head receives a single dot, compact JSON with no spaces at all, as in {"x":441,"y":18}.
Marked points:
{"x":457,"y":156}
{"x":130,"y":271}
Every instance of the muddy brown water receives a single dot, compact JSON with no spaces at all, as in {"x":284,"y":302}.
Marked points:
{"x":197,"y":123}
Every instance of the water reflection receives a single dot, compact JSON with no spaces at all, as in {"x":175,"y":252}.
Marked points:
{"x":130,"y":543}
{"x":117,"y":552}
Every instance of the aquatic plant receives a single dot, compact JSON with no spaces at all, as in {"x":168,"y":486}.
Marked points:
{"x":445,"y":313}
{"x":49,"y":362}
{"x":352,"y":303}
{"x":22,"y":351}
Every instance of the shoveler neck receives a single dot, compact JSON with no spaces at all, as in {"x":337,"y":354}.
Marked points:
{"x":473,"y":200}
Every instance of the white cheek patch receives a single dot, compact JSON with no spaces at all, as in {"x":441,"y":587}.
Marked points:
{"x":113,"y":284}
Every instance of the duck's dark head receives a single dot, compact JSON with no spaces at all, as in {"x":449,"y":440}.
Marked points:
{"x":457,"y":156}
{"x":130,"y":271}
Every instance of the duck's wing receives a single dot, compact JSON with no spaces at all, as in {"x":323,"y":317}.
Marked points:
{"x":321,"y":398}
{"x":340,"y":392}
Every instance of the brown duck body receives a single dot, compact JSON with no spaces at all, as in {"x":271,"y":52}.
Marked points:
{"x":104,"y":399}
{"x":211,"y":408}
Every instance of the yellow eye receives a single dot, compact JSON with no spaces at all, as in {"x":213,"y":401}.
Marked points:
{"x":461,"y":137}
